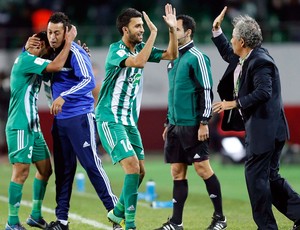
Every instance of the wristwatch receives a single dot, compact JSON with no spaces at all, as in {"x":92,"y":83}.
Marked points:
{"x":204,"y":122}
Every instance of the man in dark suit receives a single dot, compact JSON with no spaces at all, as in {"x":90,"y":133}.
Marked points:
{"x":251,"y":86}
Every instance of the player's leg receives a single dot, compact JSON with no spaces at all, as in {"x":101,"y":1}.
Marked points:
{"x":84,"y":146}
{"x":65,"y":164}
{"x":116,"y":142}
{"x":20,"y":145}
{"x":213,"y":187}
{"x":175,"y":155}
{"x":41,"y":158}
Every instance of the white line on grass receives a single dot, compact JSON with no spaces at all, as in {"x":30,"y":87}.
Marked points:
{"x":71,"y":215}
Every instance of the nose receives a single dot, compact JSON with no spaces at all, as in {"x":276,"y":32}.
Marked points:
{"x":51,"y":37}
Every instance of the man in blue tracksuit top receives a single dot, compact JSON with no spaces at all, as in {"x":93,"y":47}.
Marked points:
{"x":73,"y":129}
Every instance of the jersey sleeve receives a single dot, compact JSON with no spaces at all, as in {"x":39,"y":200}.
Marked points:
{"x":82,"y":68}
{"x":31,"y":63}
{"x":116,"y":55}
{"x":202,"y":70}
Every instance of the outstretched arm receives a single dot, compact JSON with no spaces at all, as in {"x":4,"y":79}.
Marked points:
{"x":141,"y":59}
{"x":219,"y":19}
{"x":170,"y":18}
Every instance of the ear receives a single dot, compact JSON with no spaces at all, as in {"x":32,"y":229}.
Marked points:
{"x":125,"y":29}
{"x":189,"y":32}
{"x":243,"y":43}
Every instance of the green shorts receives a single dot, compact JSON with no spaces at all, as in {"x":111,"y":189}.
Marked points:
{"x":26,"y":146}
{"x":120,"y":141}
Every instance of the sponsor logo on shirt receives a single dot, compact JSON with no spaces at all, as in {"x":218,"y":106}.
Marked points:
{"x":135,"y":79}
{"x":39,"y":61}
{"x":121,"y":53}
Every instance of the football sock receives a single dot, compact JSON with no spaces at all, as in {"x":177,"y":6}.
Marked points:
{"x":14,"y":201}
{"x":39,"y":189}
{"x":214,"y":191}
{"x":130,"y":194}
{"x":180,"y":193}
{"x":119,"y":207}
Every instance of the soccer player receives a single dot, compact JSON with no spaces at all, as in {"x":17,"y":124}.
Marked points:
{"x":187,"y":133}
{"x":25,"y":140}
{"x":73,"y":128}
{"x":119,"y":102}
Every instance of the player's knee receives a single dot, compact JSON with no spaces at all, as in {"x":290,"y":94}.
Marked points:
{"x":20,"y":176}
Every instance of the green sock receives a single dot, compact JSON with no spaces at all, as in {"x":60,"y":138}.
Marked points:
{"x":14,"y":202}
{"x":130,"y":194}
{"x":119,"y":207}
{"x":39,"y":189}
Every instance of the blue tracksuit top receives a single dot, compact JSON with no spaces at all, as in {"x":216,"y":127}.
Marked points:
{"x":74,"y":83}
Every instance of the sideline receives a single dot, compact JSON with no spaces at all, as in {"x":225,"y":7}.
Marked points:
{"x":71,"y":215}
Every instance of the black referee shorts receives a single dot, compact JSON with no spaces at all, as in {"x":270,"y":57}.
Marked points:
{"x":182,"y":145}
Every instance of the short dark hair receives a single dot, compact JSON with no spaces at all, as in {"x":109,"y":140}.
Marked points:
{"x":188,"y":23}
{"x":43,"y":37}
{"x":125,"y":17}
{"x":60,"y":17}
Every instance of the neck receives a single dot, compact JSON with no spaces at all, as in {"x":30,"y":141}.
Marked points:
{"x":244,"y":53}
{"x":129,"y":44}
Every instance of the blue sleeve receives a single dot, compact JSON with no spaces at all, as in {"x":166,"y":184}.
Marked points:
{"x":82,"y":67}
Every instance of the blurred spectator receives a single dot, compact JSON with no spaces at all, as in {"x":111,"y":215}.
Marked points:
{"x":4,"y":102}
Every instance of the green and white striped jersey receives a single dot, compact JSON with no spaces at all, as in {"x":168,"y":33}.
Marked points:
{"x":24,"y":86}
{"x":121,"y":92}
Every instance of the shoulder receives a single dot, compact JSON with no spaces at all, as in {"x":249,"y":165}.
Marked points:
{"x":198,"y":55}
{"x":117,"y":46}
{"x":75,"y":48}
{"x":118,"y":49}
{"x":261,"y":56}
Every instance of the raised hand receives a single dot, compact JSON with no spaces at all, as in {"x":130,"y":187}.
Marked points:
{"x":71,"y":34}
{"x":170,"y":17}
{"x":149,"y":23}
{"x":218,"y":20}
{"x":85,"y":47}
{"x":33,"y":42}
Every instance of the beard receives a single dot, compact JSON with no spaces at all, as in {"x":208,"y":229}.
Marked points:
{"x":134,"y":39}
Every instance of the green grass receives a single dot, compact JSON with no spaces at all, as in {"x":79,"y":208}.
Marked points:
{"x":198,"y":209}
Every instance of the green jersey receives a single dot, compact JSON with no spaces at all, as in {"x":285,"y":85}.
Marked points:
{"x":25,"y":86}
{"x":121,"y":92}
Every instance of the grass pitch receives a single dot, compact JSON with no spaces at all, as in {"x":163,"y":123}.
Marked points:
{"x":87,"y":211}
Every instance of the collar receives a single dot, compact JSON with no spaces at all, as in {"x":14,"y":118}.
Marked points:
{"x":242,"y":60}
{"x":186,"y":47}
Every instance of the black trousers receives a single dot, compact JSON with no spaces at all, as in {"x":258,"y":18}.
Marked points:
{"x":266,"y":187}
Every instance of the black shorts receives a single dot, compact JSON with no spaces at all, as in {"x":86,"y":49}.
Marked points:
{"x":182,"y":145}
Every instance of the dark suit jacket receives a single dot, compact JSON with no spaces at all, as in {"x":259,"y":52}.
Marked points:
{"x":259,"y":96}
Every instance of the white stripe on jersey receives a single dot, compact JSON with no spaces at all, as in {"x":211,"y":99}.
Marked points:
{"x":84,"y":71}
{"x":206,"y":82}
{"x":117,"y":93}
{"x":30,"y":106}
{"x":133,"y":94}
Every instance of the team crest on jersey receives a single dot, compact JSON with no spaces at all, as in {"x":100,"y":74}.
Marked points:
{"x":135,"y":79}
